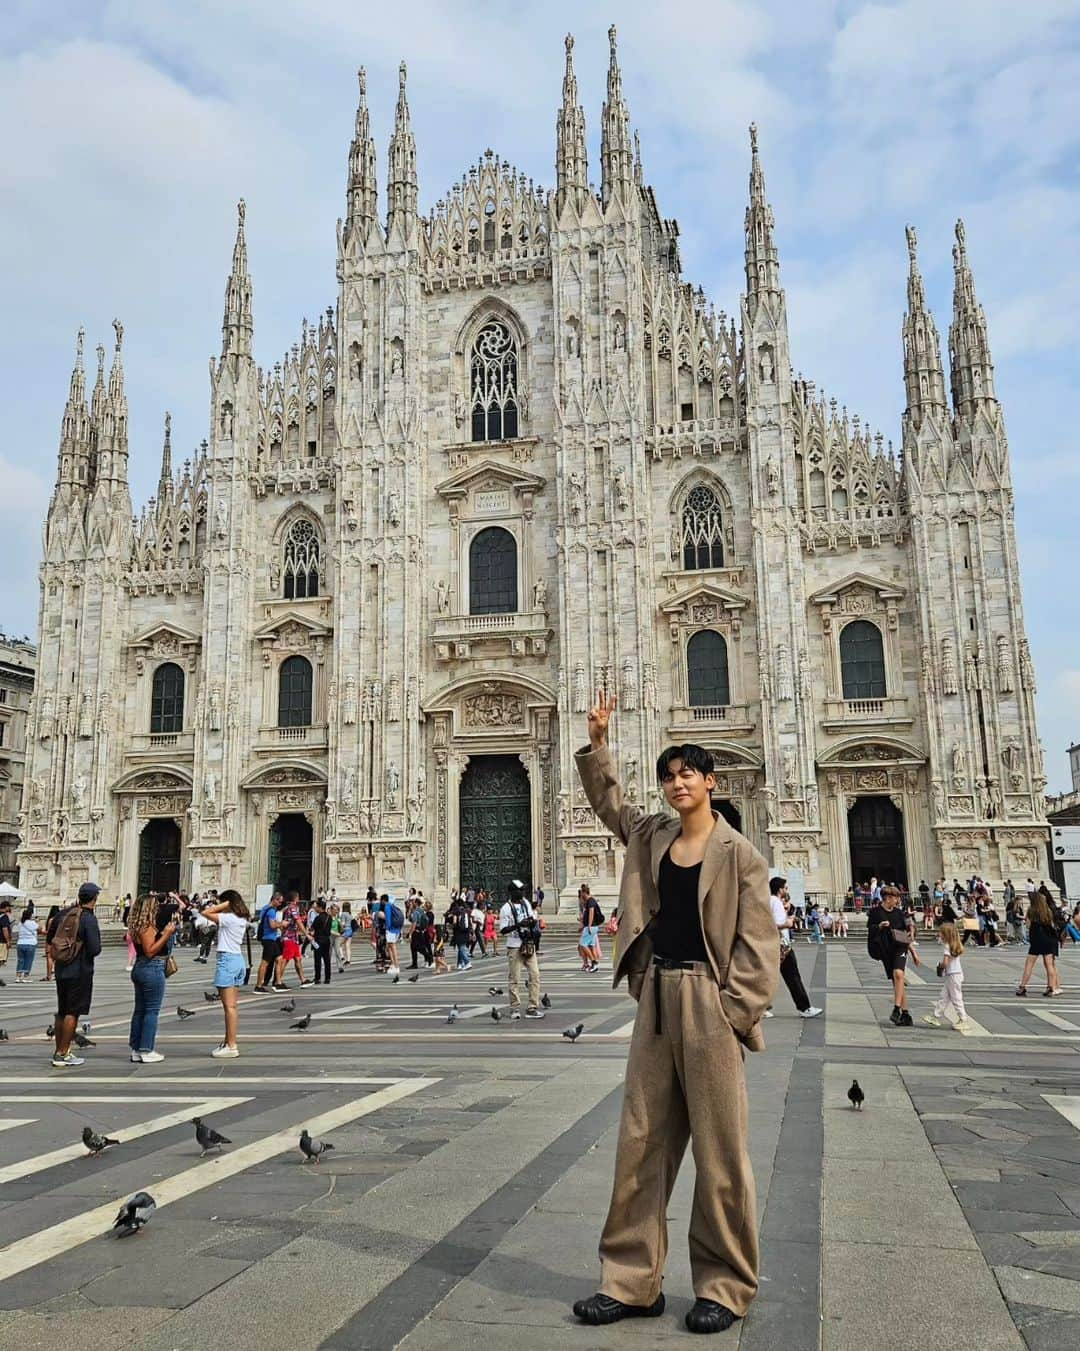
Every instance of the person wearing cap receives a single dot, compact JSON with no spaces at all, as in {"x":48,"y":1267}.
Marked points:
{"x":518,"y":923}
{"x":75,"y":979}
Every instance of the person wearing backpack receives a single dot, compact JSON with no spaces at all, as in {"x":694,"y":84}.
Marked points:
{"x":269,"y":933}
{"x":74,"y":940}
{"x":395,"y":922}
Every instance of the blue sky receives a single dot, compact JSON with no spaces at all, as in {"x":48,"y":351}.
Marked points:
{"x":134,"y":126}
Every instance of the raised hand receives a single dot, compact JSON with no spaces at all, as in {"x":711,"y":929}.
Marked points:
{"x":599,"y":717}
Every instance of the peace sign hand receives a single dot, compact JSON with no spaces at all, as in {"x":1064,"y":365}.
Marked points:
{"x":599,"y":717}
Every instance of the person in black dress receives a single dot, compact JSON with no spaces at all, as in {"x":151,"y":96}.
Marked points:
{"x":1042,"y":942}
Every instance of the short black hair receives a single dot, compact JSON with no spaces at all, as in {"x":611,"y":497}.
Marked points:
{"x":693,"y":757}
{"x":776,"y":885}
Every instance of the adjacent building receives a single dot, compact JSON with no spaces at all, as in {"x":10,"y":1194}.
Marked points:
{"x":522,"y":457}
{"x":18,"y":657}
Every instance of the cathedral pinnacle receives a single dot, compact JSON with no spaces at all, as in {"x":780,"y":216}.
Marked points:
{"x":165,"y":482}
{"x":924,"y":379}
{"x":762,"y":259}
{"x":236,"y":330}
{"x":401,"y":181}
{"x":73,"y":465}
{"x":571,"y":160}
{"x":361,"y":195}
{"x":969,"y":344}
{"x":616,"y":150}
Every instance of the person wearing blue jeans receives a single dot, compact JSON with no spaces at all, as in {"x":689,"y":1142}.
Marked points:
{"x":148,"y":977}
{"x":813,"y":919}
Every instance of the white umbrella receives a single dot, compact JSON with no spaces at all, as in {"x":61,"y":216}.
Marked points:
{"x":6,"y":889}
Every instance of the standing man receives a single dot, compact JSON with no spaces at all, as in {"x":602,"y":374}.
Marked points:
{"x":779,"y":898}
{"x":74,"y":940}
{"x":5,"y":934}
{"x":419,"y":942}
{"x":696,"y":937}
{"x":517,"y":920}
{"x":889,"y":934}
{"x":269,"y":934}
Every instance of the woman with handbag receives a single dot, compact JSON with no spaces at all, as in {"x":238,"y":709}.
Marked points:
{"x":151,"y":945}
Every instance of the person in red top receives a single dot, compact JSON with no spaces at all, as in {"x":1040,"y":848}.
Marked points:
{"x":294,"y":933}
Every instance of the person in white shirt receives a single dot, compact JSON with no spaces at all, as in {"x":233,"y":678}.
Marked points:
{"x":516,"y":921}
{"x":26,"y":946}
{"x":789,"y":966}
{"x":232,"y":918}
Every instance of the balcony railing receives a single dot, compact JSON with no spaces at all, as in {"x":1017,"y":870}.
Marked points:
{"x":731,"y":717}
{"x":272,"y":739}
{"x":154,"y":743}
{"x":521,"y":633}
{"x":844,"y":712}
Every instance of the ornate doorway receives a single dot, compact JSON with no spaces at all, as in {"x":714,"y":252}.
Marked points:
{"x":291,"y":854}
{"x":496,"y":823}
{"x":159,"y":856}
{"x":876,"y":838}
{"x":728,"y":811}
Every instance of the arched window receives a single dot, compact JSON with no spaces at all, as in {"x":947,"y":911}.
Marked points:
{"x":300,"y":573}
{"x":702,"y":529}
{"x":493,"y":583}
{"x":493,"y":376}
{"x":862,"y":661}
{"x":167,"y":699}
{"x":294,"y":693}
{"x":707,"y":669}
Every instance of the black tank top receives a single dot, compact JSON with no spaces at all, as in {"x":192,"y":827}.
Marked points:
{"x":677,"y":929}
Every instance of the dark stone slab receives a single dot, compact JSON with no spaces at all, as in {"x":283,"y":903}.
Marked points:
{"x":1037,"y":1200}
{"x":1046,"y":1329}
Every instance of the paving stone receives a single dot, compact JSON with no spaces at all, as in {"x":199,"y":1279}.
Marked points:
{"x":1046,"y":1329}
{"x":1030,"y":1287}
{"x":1033,"y":1199}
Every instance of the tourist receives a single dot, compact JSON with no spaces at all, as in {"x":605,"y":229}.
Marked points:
{"x":813,"y":919}
{"x":419,"y":945}
{"x":590,"y":933}
{"x":269,"y":935}
{"x":5,"y":936}
{"x":780,"y":903}
{"x":75,"y":939}
{"x":476,"y":921}
{"x":439,"y":950}
{"x":1042,"y":942}
{"x":232,"y":917}
{"x":950,"y":1005}
{"x":520,"y":928}
{"x":669,"y":1094}
{"x":1072,"y":928}
{"x":294,"y":933}
{"x":151,"y":940}
{"x":348,"y":928}
{"x":26,"y":946}
{"x":889,"y":938}
{"x":319,"y":927}
{"x":459,"y":925}
{"x":395,"y":923}
{"x":491,"y":931}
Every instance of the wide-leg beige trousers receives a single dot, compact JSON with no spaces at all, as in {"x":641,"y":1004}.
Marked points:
{"x":685,"y":1082}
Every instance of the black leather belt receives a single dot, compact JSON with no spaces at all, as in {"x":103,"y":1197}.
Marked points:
{"x":665,"y":964}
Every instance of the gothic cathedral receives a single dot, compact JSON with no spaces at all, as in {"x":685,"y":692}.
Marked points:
{"x":353,"y":642}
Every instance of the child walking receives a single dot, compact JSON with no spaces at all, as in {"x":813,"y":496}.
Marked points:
{"x":951,"y":1004}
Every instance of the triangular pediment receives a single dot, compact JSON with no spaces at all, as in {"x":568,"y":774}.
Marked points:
{"x":828,"y":595}
{"x":704,"y":593}
{"x":165,"y":634}
{"x":291,"y":623}
{"x":489,"y":471}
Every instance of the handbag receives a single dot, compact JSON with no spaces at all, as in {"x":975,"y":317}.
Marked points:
{"x":171,"y":966}
{"x":612,"y":926}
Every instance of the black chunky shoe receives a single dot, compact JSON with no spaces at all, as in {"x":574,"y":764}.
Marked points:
{"x":601,"y":1309}
{"x":708,"y":1316}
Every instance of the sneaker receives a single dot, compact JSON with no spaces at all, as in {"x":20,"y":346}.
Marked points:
{"x":224,"y":1052}
{"x":768,"y":1014}
{"x":302,"y":984}
{"x":905,"y":1019}
{"x":69,"y":1061}
{"x":962,"y":1026}
{"x":930,"y":1020}
{"x":150,"y":1057}
{"x":894,"y":1017}
{"x":534,"y":1013}
{"x":262,"y":989}
{"x":278,"y":989}
{"x":811,"y":1012}
{"x":515,"y":1017}
{"x":136,"y":1058}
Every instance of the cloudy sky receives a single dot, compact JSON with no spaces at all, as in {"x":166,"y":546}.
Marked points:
{"x":134,"y":126}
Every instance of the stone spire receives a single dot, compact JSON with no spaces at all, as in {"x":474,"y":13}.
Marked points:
{"x":616,"y":147}
{"x":361,"y":196}
{"x":969,"y":345}
{"x":401,"y":181}
{"x":111,"y":428}
{"x":97,"y":416}
{"x":924,"y":379}
{"x":236,"y":331}
{"x":762,"y":260}
{"x":571,"y":159}
{"x":73,"y":461}
{"x":165,"y":480}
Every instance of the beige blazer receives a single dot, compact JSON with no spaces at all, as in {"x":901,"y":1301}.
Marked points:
{"x":736,"y":918}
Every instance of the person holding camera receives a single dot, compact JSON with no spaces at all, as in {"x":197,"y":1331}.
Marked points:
{"x":701,"y":954}
{"x":519,"y":924}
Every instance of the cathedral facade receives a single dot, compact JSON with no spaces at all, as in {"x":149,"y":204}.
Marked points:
{"x":354,"y":640}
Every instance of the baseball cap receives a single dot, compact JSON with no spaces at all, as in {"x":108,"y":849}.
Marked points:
{"x":89,"y":891}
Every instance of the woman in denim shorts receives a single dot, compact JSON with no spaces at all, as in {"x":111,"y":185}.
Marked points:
{"x":232,"y":917}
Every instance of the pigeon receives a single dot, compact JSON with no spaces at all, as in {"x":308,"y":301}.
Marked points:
{"x":453,"y":1015}
{"x":83,"y":1042}
{"x":855,"y":1095}
{"x":50,"y":1031}
{"x":414,"y":979}
{"x":211,"y":996}
{"x":496,"y":1016}
{"x":301,"y":1024}
{"x":96,"y":1144}
{"x":545,"y":999}
{"x":3,"y":1034}
{"x":572,"y":1033}
{"x":288,"y":1006}
{"x":494,"y":990}
{"x":207,"y":1137}
{"x":311,"y":1149}
{"x":134,"y":1214}
{"x":184,"y":1014}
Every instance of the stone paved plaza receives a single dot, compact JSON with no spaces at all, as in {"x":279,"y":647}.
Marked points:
{"x":472,"y":1164}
